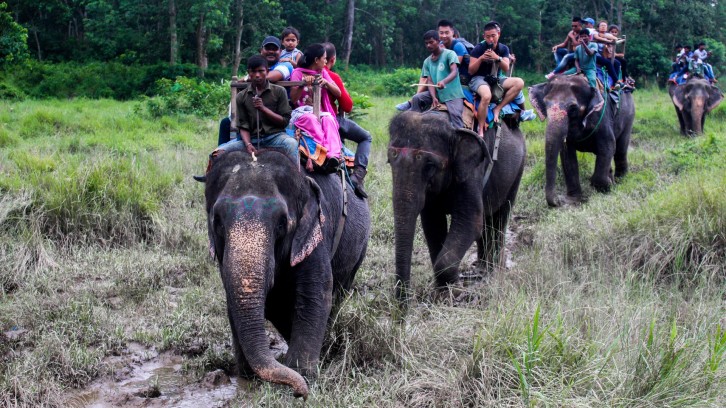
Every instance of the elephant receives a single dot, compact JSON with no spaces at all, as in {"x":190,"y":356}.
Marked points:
{"x":580,"y":119}
{"x":693,"y":100}
{"x":438,"y":170}
{"x":272,"y":230}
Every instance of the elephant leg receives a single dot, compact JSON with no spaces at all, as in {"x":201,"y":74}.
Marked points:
{"x":571,"y":171}
{"x":313,"y":302}
{"x":681,"y":121}
{"x":495,"y":231}
{"x":433,"y":223}
{"x":621,"y":154}
{"x":464,"y":230}
{"x":243,"y":367}
{"x":600,"y":179}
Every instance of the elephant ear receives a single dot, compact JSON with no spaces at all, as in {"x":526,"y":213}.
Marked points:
{"x":594,"y":110}
{"x":679,"y":96}
{"x":469,"y":152}
{"x":714,"y":98}
{"x":536,"y":98}
{"x":308,"y":233}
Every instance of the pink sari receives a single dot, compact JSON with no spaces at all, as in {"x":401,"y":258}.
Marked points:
{"x":324,"y":132}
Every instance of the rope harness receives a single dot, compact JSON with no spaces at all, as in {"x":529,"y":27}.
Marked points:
{"x":602,"y":115}
{"x":494,"y":155}
{"x":341,"y":221}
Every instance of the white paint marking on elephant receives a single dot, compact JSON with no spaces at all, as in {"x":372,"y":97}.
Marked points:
{"x":236,"y":168}
{"x":248,"y":241}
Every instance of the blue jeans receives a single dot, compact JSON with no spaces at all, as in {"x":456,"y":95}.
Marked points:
{"x":564,"y":62}
{"x":350,"y":130}
{"x":282,"y":141}
{"x":559,"y":54}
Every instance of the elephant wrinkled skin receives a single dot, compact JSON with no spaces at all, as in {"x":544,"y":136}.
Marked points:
{"x":579,"y":119}
{"x":272,"y":230}
{"x":438,"y":170}
{"x":693,"y":100}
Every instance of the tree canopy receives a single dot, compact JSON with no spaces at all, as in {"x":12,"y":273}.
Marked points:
{"x":373,"y":32}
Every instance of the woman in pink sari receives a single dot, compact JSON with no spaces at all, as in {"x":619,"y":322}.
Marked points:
{"x":325,"y":131}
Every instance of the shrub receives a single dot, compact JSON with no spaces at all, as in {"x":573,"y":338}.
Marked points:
{"x":190,"y":96}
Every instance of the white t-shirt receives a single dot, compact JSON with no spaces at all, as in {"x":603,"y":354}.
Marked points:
{"x":700,"y":54}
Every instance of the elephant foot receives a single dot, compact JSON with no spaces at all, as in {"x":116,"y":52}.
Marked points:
{"x":574,"y":200}
{"x":602,"y":186}
{"x":554,"y":200}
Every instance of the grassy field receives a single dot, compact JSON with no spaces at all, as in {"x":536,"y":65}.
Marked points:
{"x":618,"y":302}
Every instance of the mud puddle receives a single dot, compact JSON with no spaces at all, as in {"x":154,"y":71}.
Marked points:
{"x":144,"y":378}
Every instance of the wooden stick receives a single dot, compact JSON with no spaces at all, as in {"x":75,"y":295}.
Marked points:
{"x":233,"y":104}
{"x":316,"y":97}
{"x":434,"y":85}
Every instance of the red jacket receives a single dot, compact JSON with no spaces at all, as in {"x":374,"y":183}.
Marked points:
{"x":344,"y":103}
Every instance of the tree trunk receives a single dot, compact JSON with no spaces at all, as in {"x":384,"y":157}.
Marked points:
{"x":348,"y":36}
{"x":37,"y":43}
{"x":173,"y":42}
{"x":238,"y":36}
{"x":201,"y":45}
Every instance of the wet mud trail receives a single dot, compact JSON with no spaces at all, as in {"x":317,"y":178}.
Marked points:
{"x":143,"y":377}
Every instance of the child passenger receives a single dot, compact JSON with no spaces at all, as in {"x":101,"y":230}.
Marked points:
{"x":290,"y":39}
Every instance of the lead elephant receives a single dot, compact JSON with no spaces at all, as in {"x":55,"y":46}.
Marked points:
{"x":693,"y":100}
{"x":580,"y":119}
{"x":273,"y":231}
{"x":438,"y":170}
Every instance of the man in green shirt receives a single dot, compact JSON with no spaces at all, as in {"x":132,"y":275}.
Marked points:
{"x":440,"y":69}
{"x":263,"y":112}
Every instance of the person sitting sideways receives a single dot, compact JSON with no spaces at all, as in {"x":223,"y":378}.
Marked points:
{"x":585,"y":58}
{"x":606,"y":44}
{"x":700,"y":55}
{"x":440,"y":70}
{"x":489,"y":61}
{"x":263,"y":113}
{"x":348,"y":129}
{"x":567,"y":47}
{"x":614,"y":30}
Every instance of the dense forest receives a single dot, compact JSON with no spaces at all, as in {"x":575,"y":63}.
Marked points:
{"x":371,"y":32}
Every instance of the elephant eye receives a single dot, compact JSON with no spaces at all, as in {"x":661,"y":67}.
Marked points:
{"x":418,"y":156}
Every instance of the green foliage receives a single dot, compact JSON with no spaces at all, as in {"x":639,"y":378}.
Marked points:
{"x":190,"y":96}
{"x":381,"y":83}
{"x":647,"y":56}
{"x":13,"y":39}
{"x":703,"y":152}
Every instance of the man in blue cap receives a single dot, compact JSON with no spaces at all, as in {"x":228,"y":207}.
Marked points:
{"x":589,"y":23}
{"x":270,"y":49}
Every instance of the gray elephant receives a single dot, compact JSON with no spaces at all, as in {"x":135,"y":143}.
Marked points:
{"x":693,"y":100}
{"x":273,"y":231}
{"x":438,"y":170}
{"x":580,"y":119}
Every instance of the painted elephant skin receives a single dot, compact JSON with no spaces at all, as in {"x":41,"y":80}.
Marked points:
{"x":693,"y":100}
{"x":438,"y":170}
{"x":579,"y":119}
{"x":272,"y":230}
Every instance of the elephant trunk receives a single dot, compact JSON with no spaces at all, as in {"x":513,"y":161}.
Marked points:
{"x":247,"y":272}
{"x":555,"y":134}
{"x":698,"y":110}
{"x":407,"y":204}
